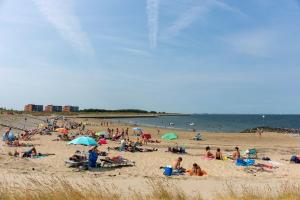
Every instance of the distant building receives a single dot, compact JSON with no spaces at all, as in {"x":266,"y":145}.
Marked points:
{"x":71,"y":109}
{"x":33,"y":108}
{"x":52,"y":108}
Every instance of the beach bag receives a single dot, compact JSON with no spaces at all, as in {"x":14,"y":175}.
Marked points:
{"x":168,"y":171}
{"x":295,"y":159}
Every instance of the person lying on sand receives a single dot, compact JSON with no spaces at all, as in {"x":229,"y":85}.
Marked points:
{"x":177,"y":165}
{"x":31,"y":153}
{"x":77,"y":158}
{"x":219,"y":155}
{"x":176,"y":149}
{"x":208,"y":154}
{"x":196,"y":171}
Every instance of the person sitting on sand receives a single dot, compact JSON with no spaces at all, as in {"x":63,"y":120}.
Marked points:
{"x":177,"y":165}
{"x":5,"y":135}
{"x":77,"y":158}
{"x":219,"y":155}
{"x":208,"y":154}
{"x":236,"y":154}
{"x":197,"y":171}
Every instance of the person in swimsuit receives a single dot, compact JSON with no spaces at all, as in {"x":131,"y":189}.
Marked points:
{"x":219,"y":155}
{"x":197,"y":171}
{"x":236,"y":154}
{"x":208,"y":153}
{"x":177,"y":165}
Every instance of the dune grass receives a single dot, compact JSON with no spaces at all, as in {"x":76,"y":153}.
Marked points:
{"x":61,"y":189}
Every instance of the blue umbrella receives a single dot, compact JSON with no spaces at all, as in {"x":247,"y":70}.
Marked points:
{"x":87,"y":141}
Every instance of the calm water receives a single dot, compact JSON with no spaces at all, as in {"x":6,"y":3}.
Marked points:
{"x":220,"y":123}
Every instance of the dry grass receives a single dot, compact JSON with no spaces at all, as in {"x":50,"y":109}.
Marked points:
{"x":61,"y":189}
{"x":285,"y":192}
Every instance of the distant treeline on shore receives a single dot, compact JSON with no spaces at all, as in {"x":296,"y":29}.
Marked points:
{"x":119,"y":111}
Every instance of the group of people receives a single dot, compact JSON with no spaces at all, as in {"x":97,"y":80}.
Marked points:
{"x":130,"y":146}
{"x":194,"y":171}
{"x":219,"y":156}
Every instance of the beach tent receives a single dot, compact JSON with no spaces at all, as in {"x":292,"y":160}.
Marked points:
{"x":137,"y":129}
{"x":105,"y":134}
{"x":169,"y":136}
{"x":83,"y":140}
{"x":146,"y":136}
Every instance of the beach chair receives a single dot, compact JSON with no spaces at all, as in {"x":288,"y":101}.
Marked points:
{"x":107,"y":162}
{"x":75,"y":164}
{"x":252,"y":154}
{"x":197,"y":137}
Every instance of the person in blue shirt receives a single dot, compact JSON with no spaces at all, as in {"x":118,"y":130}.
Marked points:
{"x":6,"y":134}
{"x":93,"y":157}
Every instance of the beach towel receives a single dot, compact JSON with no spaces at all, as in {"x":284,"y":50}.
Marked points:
{"x":208,"y":158}
{"x":244,"y":163}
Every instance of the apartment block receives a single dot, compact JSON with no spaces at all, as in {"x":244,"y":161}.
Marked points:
{"x":33,"y":108}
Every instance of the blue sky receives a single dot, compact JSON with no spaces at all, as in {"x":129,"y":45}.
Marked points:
{"x":192,"y":56}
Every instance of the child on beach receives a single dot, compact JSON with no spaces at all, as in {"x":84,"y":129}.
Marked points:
{"x":177,"y":165}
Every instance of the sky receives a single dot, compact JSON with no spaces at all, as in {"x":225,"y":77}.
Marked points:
{"x":189,"y":56}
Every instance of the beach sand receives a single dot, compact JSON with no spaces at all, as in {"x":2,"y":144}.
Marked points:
{"x":221,"y":174}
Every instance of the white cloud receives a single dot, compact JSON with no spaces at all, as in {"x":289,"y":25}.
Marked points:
{"x":186,"y":19}
{"x":134,"y":51}
{"x":61,"y":15}
{"x":153,"y":17}
{"x":199,"y":11}
{"x":254,"y":43}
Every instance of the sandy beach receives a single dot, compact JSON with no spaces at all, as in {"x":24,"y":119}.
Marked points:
{"x":221,"y":174}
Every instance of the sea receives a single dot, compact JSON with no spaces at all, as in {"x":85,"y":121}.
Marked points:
{"x":231,"y":123}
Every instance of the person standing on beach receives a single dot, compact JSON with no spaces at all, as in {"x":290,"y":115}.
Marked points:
{"x":158,"y":131}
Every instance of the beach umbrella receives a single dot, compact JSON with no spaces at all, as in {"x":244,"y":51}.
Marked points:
{"x":137,"y":129}
{"x":84,"y":140}
{"x":102,"y":133}
{"x":169,"y":136}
